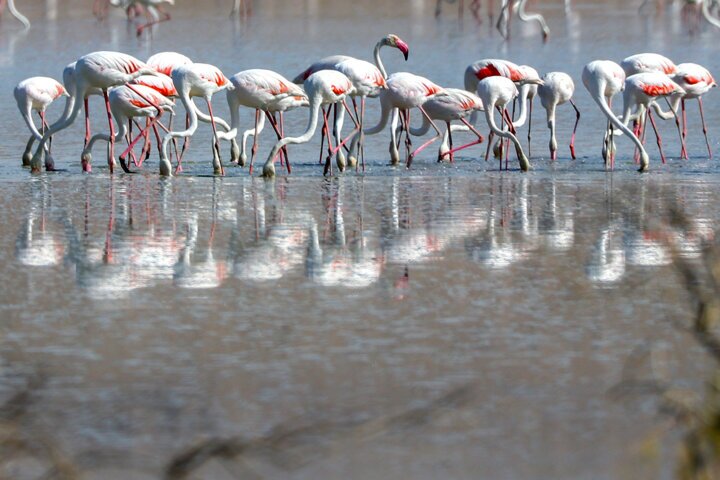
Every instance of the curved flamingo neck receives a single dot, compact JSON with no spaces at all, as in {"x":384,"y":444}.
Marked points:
{"x":378,"y":60}
{"x":305,"y":137}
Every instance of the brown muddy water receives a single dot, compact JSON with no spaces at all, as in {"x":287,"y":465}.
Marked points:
{"x":451,"y":321}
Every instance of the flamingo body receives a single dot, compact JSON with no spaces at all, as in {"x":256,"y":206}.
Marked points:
{"x":165,"y":62}
{"x":647,"y":62}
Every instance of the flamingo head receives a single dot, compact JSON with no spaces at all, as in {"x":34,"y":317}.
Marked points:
{"x":393,"y":40}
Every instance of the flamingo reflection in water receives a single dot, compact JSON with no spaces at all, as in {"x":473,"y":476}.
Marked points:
{"x":37,"y":245}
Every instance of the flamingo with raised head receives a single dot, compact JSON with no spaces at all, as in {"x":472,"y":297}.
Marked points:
{"x":367,"y":79}
{"x":558,"y":88}
{"x":36,"y":94}
{"x":603,"y":79}
{"x":126,"y":104}
{"x":497,"y":92}
{"x":325,"y":87}
{"x":196,"y":80}
{"x":95,"y":70}
{"x":449,"y":105}
{"x":267,"y":92}
{"x":405,"y":91}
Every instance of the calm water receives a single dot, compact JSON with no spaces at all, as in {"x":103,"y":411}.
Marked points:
{"x":453,"y":321}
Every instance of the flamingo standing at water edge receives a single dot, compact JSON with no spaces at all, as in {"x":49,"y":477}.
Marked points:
{"x":36,"y":93}
{"x":196,"y":80}
{"x":558,"y":88}
{"x":153,"y":9}
{"x":265,"y":91}
{"x":95,"y":70}
{"x":405,"y":91}
{"x":696,"y":80}
{"x":448,"y":105}
{"x":367,"y":79}
{"x":641,"y":90}
{"x":497,"y":92}
{"x":125,"y":105}
{"x":603,"y":79}
{"x":325,"y":87}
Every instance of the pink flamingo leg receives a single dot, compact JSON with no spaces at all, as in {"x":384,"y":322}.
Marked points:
{"x":155,"y":22}
{"x":424,"y":145}
{"x":328,"y":163}
{"x":216,"y":145}
{"x":111,"y":160}
{"x":87,"y":122}
{"x":702,"y":117}
{"x":186,"y":141}
{"x":479,"y":140}
{"x":361,"y":142}
{"x":530,"y":127}
{"x":487,"y":150}
{"x":147,"y":144}
{"x":323,"y":132}
{"x":282,"y":134}
{"x":278,"y":132}
{"x":577,"y":120}
{"x":254,"y":148}
{"x":657,"y":136}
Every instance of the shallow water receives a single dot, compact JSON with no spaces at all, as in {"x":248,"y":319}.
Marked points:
{"x":451,"y":321}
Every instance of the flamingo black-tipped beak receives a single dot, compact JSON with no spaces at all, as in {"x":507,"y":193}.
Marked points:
{"x":404,"y":48}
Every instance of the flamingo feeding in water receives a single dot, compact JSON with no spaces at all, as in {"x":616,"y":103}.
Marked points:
{"x":196,"y":80}
{"x":267,"y":92}
{"x":36,"y":94}
{"x":603,"y":79}
{"x":326,"y":87}
{"x":367,"y":79}
{"x":126,"y":104}
{"x":558,"y":88}
{"x":696,"y":80}
{"x":642,"y":90}
{"x":95,"y":70}
{"x":446,"y":106}
{"x":647,"y":63}
{"x":405,"y":91}
{"x":497,"y":92}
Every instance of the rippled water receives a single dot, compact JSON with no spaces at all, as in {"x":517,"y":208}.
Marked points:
{"x":452,"y":321}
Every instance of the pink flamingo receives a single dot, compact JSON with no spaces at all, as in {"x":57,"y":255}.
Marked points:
{"x":162,"y":84}
{"x":497,"y":92}
{"x":325,"y":87}
{"x":14,"y":12}
{"x":603,"y":79}
{"x":446,"y":106}
{"x":165,"y":62}
{"x":367,"y":79}
{"x":95,"y":70}
{"x":126,"y":104}
{"x":558,"y":88}
{"x":405,"y":91}
{"x":196,"y":80}
{"x":267,"y":92}
{"x":37,"y":93}
{"x":696,"y":80}
{"x":641,"y":91}
{"x":647,"y":62}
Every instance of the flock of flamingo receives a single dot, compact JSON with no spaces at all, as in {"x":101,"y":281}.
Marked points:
{"x":132,"y":89}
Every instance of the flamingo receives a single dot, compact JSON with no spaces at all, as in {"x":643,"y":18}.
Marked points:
{"x":162,"y":84}
{"x":497,"y":92}
{"x":603,"y":79}
{"x":196,"y":80}
{"x":36,"y":93}
{"x":95,"y":70}
{"x":448,"y":105}
{"x":127,"y":103}
{"x":265,"y":91}
{"x":367,"y":79}
{"x":405,"y":91}
{"x":696,"y":80}
{"x":14,"y":12}
{"x":647,"y":62}
{"x":503,"y":23}
{"x":642,"y":90}
{"x":558,"y":88}
{"x":165,"y":62}
{"x":326,"y":87}
{"x":153,"y":9}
